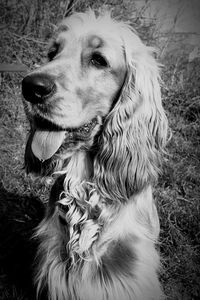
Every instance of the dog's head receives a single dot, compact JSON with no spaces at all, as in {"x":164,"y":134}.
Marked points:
{"x":68,"y":98}
{"x":99,"y":92}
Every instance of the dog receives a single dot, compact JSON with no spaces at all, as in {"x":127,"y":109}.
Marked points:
{"x":97,"y":125}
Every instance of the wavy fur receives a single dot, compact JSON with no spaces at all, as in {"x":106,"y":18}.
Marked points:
{"x":138,"y":127}
{"x":98,"y":238}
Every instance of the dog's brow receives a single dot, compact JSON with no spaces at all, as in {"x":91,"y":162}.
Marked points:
{"x":95,"y":41}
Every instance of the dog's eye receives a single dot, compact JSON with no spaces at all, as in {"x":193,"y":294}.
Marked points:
{"x":99,"y":61}
{"x":53,"y":51}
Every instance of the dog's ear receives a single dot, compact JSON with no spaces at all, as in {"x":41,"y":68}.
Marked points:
{"x":135,"y":131}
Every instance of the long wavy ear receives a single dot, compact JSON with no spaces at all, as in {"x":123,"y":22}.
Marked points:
{"x":135,"y":131}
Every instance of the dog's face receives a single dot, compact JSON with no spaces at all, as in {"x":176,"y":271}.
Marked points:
{"x":68,"y":97}
{"x":99,"y":92}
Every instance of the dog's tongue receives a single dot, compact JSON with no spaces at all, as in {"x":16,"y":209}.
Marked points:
{"x":46,"y":143}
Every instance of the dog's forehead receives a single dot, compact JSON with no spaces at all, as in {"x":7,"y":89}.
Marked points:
{"x":91,"y":39}
{"x":101,"y":30}
{"x":94,"y":30}
{"x":95,"y":41}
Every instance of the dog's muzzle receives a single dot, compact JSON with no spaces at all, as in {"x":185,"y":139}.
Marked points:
{"x":38,"y":87}
{"x":47,"y":137}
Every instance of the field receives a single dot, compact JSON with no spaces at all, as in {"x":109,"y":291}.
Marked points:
{"x":26,"y":28}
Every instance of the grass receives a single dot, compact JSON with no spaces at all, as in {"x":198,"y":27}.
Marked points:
{"x":179,"y":188}
{"x":27,"y":28}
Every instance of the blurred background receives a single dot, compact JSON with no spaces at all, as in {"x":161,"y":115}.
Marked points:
{"x":173,"y":27}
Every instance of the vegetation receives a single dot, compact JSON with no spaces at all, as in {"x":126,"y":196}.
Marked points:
{"x":26,"y":28}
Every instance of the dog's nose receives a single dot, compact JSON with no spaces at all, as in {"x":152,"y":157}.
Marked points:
{"x":37,"y":87}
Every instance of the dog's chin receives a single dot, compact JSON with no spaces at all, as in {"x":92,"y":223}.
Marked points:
{"x":49,"y":147}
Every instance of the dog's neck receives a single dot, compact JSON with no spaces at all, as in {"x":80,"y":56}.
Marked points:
{"x":84,"y":210}
{"x":79,"y":169}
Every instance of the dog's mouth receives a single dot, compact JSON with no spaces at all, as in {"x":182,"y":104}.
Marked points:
{"x":48,"y":137}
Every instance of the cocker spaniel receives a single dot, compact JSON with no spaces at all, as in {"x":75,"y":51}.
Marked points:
{"x":97,"y":122}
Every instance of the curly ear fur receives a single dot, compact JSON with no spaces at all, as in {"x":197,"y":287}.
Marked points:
{"x":135,"y":131}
